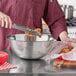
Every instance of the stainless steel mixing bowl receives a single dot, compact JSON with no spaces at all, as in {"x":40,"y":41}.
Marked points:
{"x":35,"y":49}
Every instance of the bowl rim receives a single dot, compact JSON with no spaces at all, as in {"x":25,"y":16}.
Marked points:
{"x":8,"y":37}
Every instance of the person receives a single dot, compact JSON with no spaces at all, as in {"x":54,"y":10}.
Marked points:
{"x":29,"y":13}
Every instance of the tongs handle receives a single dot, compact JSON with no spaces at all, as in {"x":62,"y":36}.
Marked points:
{"x":25,"y":29}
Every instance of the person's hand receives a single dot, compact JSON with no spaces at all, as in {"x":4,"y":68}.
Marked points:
{"x":64,"y":37}
{"x":5,"y":21}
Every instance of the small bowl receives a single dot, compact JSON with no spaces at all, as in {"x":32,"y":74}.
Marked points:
{"x":3,"y":57}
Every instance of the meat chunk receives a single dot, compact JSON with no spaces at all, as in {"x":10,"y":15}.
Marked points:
{"x":60,"y":62}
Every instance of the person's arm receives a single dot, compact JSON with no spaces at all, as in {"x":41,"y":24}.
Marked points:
{"x":55,"y":18}
{"x":64,"y":37}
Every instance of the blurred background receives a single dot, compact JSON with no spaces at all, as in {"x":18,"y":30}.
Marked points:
{"x":69,"y":2}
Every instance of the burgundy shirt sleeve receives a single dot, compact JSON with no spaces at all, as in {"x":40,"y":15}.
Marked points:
{"x":0,"y":5}
{"x":55,"y":18}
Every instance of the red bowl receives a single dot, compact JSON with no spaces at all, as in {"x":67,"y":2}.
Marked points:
{"x":3,"y":57}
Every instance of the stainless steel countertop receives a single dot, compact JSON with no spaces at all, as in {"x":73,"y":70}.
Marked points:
{"x":34,"y":68}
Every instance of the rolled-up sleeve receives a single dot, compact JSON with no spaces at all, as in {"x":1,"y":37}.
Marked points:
{"x":55,"y":18}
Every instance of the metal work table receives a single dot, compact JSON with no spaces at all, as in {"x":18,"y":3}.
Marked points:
{"x":34,"y":68}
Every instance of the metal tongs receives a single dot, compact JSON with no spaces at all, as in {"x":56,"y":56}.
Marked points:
{"x":25,"y":29}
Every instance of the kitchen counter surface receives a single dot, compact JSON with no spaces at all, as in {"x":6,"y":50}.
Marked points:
{"x":34,"y":68}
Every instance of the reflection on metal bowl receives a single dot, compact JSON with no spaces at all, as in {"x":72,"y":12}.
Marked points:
{"x":30,"y":50}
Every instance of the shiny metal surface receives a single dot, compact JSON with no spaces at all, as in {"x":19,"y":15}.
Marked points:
{"x":68,"y":11}
{"x":34,"y":68}
{"x":25,"y":29}
{"x":35,"y":49}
